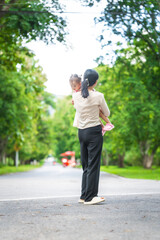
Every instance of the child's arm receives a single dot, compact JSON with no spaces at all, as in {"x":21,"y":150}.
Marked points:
{"x":102,"y":125}
{"x":103,"y":117}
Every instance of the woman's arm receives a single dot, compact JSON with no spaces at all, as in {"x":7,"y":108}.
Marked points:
{"x":104,"y":107}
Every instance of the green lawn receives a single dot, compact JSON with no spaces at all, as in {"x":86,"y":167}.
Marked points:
{"x":134,"y":172}
{"x":22,"y":168}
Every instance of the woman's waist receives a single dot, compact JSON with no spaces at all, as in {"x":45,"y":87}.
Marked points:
{"x":94,"y":127}
{"x":88,"y":124}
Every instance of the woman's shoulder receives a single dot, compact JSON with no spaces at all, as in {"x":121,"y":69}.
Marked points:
{"x":97,"y":94}
{"x":92,"y":94}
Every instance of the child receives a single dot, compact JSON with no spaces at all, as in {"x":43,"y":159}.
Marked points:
{"x":75,"y":82}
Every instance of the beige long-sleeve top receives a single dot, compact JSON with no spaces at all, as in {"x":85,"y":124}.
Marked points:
{"x":87,"y":109}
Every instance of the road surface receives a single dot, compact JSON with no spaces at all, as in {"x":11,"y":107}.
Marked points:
{"x":43,"y":205}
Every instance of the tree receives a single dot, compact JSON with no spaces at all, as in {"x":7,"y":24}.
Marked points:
{"x":133,"y":20}
{"x":115,"y":142}
{"x":38,"y":142}
{"x":138,"y":23}
{"x":21,"y":80}
{"x":31,"y":20}
{"x":65,"y":136}
{"x":20,"y":102}
{"x":133,"y":112}
{"x":25,"y":21}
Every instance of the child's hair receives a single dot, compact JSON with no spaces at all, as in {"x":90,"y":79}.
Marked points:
{"x":75,"y":77}
{"x":89,"y":78}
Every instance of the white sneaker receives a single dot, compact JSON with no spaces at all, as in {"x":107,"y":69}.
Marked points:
{"x":95,"y":200}
{"x":81,"y":201}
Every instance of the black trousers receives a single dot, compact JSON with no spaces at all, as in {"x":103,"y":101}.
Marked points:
{"x":91,"y":142}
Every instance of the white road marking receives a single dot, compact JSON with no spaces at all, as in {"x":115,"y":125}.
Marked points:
{"x":71,"y":196}
{"x":37,"y":198}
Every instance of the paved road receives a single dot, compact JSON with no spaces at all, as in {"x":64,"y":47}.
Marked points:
{"x":42,"y":205}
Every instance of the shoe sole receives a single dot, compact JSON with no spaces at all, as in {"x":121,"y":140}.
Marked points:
{"x":94,"y":202}
{"x":81,"y":201}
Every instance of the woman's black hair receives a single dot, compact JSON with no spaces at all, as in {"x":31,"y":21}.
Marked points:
{"x":89,"y":78}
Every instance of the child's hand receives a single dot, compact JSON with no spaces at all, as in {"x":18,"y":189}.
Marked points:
{"x":72,"y":102}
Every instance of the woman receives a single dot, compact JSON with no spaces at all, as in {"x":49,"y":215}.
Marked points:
{"x":87,"y":104}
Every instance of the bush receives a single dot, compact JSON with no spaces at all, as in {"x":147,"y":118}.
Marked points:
{"x":133,"y":157}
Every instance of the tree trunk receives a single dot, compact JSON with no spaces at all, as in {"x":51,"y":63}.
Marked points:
{"x":104,"y":162}
{"x":4,"y":158}
{"x":5,"y":7}
{"x":3,"y":144}
{"x":105,"y":158}
{"x":121,"y":160}
{"x":148,"y":160}
{"x":16,"y":158}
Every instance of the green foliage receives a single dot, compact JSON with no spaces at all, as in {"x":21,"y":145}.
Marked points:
{"x":157,"y":157}
{"x":32,"y":20}
{"x":24,"y":110}
{"x":136,"y":21}
{"x":133,"y":157}
{"x":132,"y":86}
{"x":133,"y":107}
{"x":24,"y":105}
{"x":65,"y":135}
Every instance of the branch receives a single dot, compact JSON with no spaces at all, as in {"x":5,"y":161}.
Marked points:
{"x":5,"y":7}
{"x":150,"y":45}
{"x":2,"y":2}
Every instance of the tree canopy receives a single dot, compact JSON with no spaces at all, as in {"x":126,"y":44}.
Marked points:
{"x":24,"y":103}
{"x":135,"y":87}
{"x":130,"y":85}
{"x":134,"y":20}
{"x":31,"y":20}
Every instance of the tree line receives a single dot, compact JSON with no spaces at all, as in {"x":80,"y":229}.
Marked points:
{"x":24,"y":103}
{"x":131,"y":85}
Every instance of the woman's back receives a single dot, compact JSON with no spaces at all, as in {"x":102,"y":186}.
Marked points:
{"x":88,"y":108}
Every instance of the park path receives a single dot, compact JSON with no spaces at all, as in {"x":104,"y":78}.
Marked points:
{"x":42,"y":205}
{"x":51,"y":181}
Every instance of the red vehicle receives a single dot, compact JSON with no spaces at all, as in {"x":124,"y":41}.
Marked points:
{"x":66,"y":161}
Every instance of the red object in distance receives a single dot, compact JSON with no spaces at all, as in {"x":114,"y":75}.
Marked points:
{"x":68,"y":153}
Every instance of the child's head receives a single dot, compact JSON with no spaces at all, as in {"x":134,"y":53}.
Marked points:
{"x":75,"y":82}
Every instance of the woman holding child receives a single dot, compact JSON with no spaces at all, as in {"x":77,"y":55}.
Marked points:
{"x":88,"y":104}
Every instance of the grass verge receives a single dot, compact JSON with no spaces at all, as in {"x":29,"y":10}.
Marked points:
{"x":21,"y":168}
{"x":134,"y":172}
